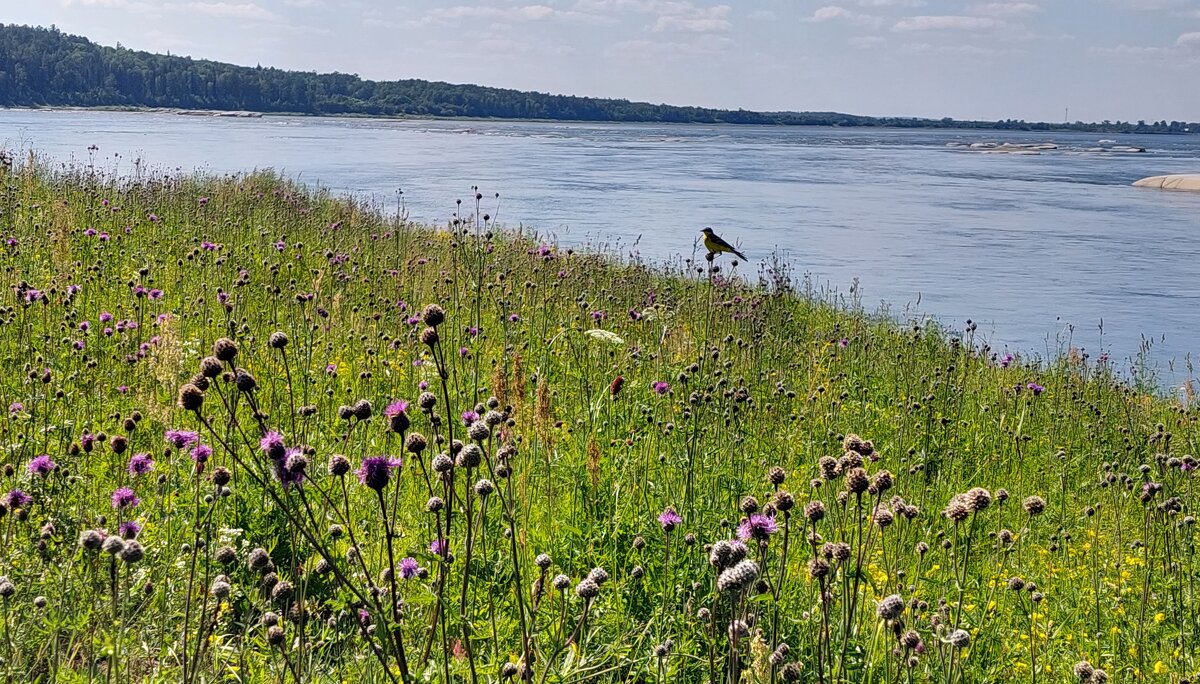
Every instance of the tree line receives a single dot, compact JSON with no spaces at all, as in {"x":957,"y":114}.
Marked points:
{"x":46,"y":67}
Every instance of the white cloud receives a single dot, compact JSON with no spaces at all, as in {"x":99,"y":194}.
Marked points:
{"x":684,"y":16}
{"x":1189,"y":40}
{"x":1005,"y":9}
{"x":834,"y":13}
{"x":244,"y":10}
{"x":947,"y":23}
{"x":891,"y":3}
{"x":519,"y":13}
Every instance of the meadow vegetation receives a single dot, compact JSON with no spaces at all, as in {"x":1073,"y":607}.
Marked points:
{"x":257,"y":433}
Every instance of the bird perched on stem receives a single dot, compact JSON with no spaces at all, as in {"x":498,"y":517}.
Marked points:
{"x":716,"y":245}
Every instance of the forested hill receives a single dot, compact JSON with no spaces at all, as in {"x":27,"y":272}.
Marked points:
{"x":45,"y":67}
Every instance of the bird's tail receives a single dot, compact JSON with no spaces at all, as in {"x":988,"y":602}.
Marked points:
{"x":739,"y":255}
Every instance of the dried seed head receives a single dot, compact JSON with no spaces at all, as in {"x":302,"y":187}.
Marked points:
{"x":339,"y":465}
{"x":415,"y":443}
{"x":1034,"y":505}
{"x":890,"y":607}
{"x":433,"y":315}
{"x":132,"y":553}
{"x":738,"y":577}
{"x":587,"y":590}
{"x":856,"y":481}
{"x":190,"y":397}
{"x":211,"y":367}
{"x":960,"y":638}
{"x":91,"y":540}
{"x":225,"y":349}
{"x":113,"y":545}
{"x":277,"y":340}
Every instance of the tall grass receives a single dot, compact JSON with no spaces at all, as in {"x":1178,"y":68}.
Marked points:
{"x":257,"y":433}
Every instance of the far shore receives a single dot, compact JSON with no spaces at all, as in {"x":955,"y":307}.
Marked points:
{"x":248,"y":114}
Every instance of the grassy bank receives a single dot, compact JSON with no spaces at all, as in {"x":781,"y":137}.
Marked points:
{"x":224,"y":393}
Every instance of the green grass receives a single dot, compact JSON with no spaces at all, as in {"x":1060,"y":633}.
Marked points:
{"x":760,"y":373}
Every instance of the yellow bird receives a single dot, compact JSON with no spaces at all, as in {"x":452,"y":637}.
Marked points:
{"x":715,"y":245}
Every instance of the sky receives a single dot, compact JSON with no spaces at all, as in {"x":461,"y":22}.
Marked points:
{"x":1042,"y":60}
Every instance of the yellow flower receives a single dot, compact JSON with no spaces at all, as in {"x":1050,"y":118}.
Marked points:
{"x":1160,"y":668}
{"x":1159,"y":617}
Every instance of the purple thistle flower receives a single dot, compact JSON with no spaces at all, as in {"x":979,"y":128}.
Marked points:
{"x":395,"y":408}
{"x":669,"y":519}
{"x":757,"y":526}
{"x":423,"y":385}
{"x":272,"y":445}
{"x":438,"y":547}
{"x":17,"y":499}
{"x":1035,"y":388}
{"x":660,"y":387}
{"x":514,"y":318}
{"x":123,"y":498}
{"x":469,"y":417}
{"x":181,"y":438}
{"x":130,"y":529}
{"x":408,"y":567}
{"x":201,"y":453}
{"x":42,"y":465}
{"x":105,"y":317}
{"x":288,"y":476}
{"x":16,"y":407}
{"x":140,"y":464}
{"x":376,"y":471}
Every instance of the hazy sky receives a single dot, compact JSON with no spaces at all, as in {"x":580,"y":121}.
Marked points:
{"x":1102,"y":59}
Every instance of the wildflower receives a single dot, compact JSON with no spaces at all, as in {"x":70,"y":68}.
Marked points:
{"x":1035,"y":388}
{"x":272,"y":445}
{"x":660,"y":387}
{"x":42,"y":465}
{"x":438,"y":547}
{"x":17,"y":499}
{"x":129,"y":529}
{"x":123,"y":498}
{"x":140,"y":464}
{"x":397,"y":415}
{"x":669,"y":519}
{"x":201,"y":453}
{"x":469,"y":417}
{"x":408,"y":567}
{"x":758,"y":527}
{"x":181,"y":438}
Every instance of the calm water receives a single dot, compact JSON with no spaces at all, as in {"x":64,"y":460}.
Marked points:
{"x":1027,"y":246}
